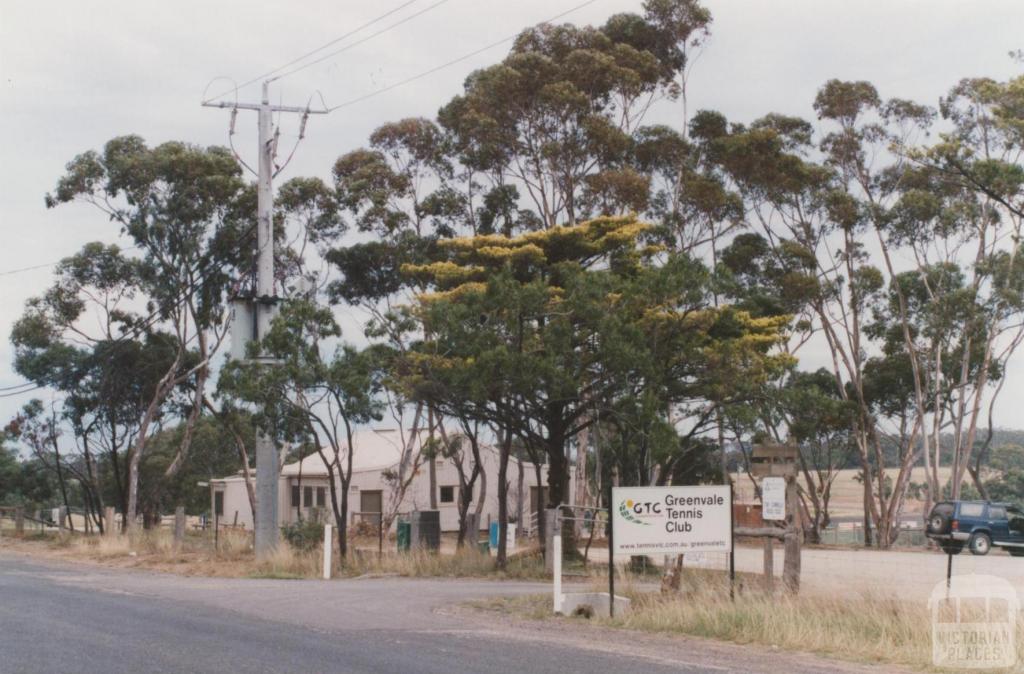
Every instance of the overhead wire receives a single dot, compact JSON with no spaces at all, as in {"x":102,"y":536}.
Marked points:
{"x":148,"y":322}
{"x":45,"y":265}
{"x":13,"y":394}
{"x":448,"y":64}
{"x":319,"y":49}
{"x":11,"y":388}
{"x":360,"y":41}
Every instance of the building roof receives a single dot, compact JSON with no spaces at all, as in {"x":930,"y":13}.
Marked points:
{"x":375,"y":449}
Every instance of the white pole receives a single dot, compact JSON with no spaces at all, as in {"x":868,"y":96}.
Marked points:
{"x":556,"y":554}
{"x":267,"y":533}
{"x":328,"y":544}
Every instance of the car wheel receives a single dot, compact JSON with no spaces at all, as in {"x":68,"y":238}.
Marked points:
{"x":938,"y":523}
{"x":952,"y":548}
{"x":980,"y":544}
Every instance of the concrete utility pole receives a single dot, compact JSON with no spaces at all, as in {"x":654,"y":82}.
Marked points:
{"x":264,"y":304}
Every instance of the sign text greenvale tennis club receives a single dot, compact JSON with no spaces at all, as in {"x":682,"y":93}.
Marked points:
{"x":672,"y":520}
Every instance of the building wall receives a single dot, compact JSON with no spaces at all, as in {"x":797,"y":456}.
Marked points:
{"x":417,"y":497}
{"x":235,"y":501}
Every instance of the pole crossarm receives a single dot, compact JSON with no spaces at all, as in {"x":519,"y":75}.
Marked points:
{"x":257,"y":107}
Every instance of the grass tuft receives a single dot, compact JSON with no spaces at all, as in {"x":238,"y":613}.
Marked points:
{"x":233,"y":557}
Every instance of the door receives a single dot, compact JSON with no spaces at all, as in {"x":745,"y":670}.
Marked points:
{"x":998,"y":524}
{"x":1016,"y":525}
{"x":371,"y":501}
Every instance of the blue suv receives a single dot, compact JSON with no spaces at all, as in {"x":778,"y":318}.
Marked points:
{"x":978,"y":525}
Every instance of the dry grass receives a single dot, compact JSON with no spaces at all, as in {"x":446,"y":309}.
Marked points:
{"x":861,"y":628}
{"x":196,"y":556}
{"x":234,"y":558}
{"x":462,"y":564}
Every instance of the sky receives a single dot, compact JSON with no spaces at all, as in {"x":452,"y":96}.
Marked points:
{"x":75,"y":74}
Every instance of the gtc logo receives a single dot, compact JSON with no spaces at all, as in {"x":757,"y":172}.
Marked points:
{"x":632,"y":511}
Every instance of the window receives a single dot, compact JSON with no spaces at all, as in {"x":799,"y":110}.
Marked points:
{"x":971,"y":509}
{"x":447,"y":494}
{"x":218,"y":503}
{"x":997,"y":513}
{"x":295,"y":496}
{"x":307,"y":496}
{"x":321,"y":496}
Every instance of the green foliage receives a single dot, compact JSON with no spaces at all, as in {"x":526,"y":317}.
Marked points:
{"x":303,"y":535}
{"x":1004,"y":478}
{"x":549,"y":332}
{"x":23,"y":482}
{"x":213,"y":454}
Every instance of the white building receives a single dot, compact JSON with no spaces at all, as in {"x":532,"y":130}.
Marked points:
{"x":304,"y":487}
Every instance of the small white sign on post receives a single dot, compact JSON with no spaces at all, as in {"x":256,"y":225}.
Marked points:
{"x":773,"y":499}
{"x":672,"y":520}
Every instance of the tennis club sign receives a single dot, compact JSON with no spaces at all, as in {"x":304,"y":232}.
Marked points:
{"x":671,"y":520}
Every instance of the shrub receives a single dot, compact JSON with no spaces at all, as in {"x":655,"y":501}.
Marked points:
{"x":304,"y":535}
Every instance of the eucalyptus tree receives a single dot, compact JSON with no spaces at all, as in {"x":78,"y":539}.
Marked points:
{"x":552,"y":123}
{"x":810,"y":223}
{"x":543,"y":333}
{"x":23,"y":482}
{"x":311,"y":393}
{"x":961,"y":213}
{"x":188,"y":214}
{"x":851,"y":207}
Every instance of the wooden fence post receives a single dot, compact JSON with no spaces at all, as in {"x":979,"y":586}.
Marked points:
{"x":791,"y":565}
{"x":62,"y":518}
{"x":769,"y":564}
{"x":109,"y":523}
{"x":19,"y":522}
{"x":179,"y":525}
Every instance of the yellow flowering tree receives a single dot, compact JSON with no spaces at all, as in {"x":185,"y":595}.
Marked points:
{"x":546,"y":333}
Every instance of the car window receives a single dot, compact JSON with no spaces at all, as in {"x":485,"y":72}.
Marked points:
{"x":997,"y":513}
{"x":971,"y":509}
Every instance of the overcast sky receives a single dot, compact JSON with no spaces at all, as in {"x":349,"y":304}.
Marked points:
{"x":75,"y":74}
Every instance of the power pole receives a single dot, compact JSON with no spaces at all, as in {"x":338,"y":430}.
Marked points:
{"x":263,"y":307}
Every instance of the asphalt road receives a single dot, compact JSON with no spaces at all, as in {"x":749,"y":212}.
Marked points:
{"x":56,"y":618}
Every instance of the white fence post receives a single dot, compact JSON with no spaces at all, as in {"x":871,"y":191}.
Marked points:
{"x":328,"y":544}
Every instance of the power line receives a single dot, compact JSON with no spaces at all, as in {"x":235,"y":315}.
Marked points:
{"x":32,"y":268}
{"x":361,"y":41}
{"x":448,"y":64}
{"x":314,"y":51}
{"x":148,"y":322}
{"x":46,"y":265}
{"x":11,"y":388}
{"x":18,"y":393}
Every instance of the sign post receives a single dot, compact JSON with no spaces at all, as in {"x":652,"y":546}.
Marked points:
{"x":611,"y":562}
{"x":732,"y":553}
{"x":670,"y":520}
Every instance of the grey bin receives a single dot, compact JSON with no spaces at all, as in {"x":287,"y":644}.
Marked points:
{"x":425,"y":530}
